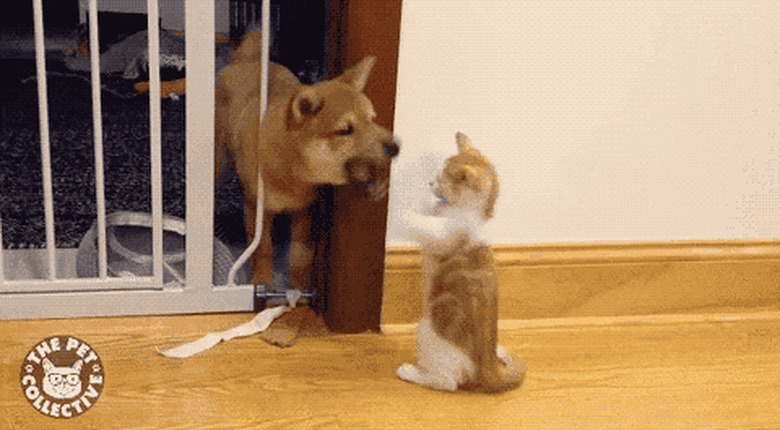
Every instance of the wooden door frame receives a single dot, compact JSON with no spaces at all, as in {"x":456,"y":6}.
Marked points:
{"x":350,"y":262}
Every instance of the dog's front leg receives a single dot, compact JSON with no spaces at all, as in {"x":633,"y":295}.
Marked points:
{"x":301,"y":247}
{"x":262,"y":258}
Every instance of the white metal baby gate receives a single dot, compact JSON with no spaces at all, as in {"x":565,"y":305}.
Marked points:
{"x":104,"y":295}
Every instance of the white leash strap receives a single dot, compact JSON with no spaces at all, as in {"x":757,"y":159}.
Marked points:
{"x":257,"y":324}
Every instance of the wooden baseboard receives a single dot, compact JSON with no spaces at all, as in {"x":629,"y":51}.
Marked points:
{"x":609,"y":279}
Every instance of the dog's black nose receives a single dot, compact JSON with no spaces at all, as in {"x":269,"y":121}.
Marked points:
{"x":391,"y":148}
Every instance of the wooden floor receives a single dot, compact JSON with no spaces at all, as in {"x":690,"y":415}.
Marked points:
{"x":675,"y":372}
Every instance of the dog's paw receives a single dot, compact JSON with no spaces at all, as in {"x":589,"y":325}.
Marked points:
{"x":408,"y":372}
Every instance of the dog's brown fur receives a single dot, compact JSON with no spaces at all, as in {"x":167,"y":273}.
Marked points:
{"x":312,"y":135}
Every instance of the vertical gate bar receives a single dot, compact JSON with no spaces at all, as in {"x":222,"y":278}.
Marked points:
{"x":155,"y":137}
{"x":199,"y":54}
{"x":43,"y":120}
{"x":97,"y":124}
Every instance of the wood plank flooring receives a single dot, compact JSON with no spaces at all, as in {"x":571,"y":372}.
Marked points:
{"x":673,"y":372}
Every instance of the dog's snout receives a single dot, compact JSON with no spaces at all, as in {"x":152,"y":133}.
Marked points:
{"x":391,"y":148}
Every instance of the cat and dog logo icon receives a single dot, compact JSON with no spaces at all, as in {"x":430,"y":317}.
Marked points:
{"x":62,"y":377}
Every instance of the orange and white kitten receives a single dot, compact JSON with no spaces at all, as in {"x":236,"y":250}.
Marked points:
{"x":457,"y":337}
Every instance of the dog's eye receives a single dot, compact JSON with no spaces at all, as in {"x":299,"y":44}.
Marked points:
{"x":346,"y":131}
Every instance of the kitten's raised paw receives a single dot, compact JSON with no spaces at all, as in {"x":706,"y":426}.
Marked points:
{"x":408,"y":372}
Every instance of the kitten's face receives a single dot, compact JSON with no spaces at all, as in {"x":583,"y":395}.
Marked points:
{"x":62,"y":382}
{"x":468,"y":181}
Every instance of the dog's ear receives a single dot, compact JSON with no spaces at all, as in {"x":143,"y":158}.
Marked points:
{"x":250,"y":48}
{"x":357,"y":76}
{"x":305,"y":104}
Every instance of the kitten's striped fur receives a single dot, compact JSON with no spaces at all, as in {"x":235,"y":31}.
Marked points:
{"x":457,"y":338}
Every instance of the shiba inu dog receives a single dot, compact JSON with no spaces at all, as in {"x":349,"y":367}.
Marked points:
{"x":312,"y":135}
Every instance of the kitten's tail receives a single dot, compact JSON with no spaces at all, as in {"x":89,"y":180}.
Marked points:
{"x":504,"y":374}
{"x":513,"y":368}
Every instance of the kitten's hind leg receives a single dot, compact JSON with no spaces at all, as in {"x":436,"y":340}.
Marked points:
{"x":414,"y":374}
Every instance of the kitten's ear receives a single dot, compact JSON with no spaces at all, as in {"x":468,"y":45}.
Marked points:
{"x":47,"y":365}
{"x":77,"y":365}
{"x":464,"y":143}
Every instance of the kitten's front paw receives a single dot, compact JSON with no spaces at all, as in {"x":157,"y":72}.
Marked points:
{"x":408,"y":372}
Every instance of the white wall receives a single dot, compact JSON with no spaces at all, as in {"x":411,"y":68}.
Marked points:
{"x":606,"y":119}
